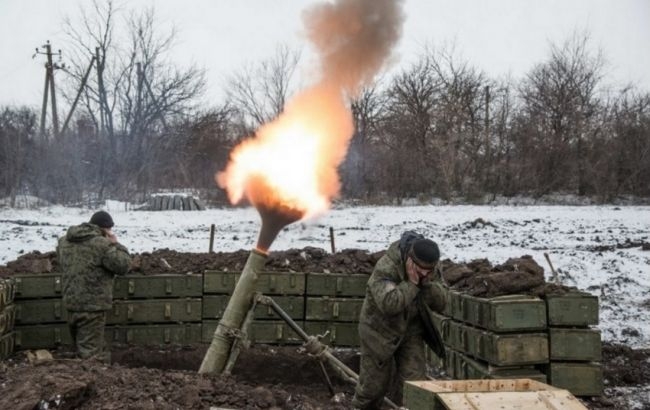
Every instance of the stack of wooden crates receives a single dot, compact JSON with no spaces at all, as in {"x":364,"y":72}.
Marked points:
{"x":516,"y":336}
{"x":154,"y":309}
{"x":7,"y":317}
{"x":519,"y":336}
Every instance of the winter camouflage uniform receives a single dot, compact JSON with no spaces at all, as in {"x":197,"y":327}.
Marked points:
{"x":89,"y":261}
{"x":390,"y":328}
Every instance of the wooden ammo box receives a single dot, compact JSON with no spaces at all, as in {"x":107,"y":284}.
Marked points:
{"x":572,"y":309}
{"x":574,"y":344}
{"x":215,"y":305}
{"x":336,"y":333}
{"x":269,"y":283}
{"x":581,"y":379}
{"x":512,"y":313}
{"x":42,"y":336}
{"x":154,"y":311}
{"x":476,"y":369}
{"x":187,"y":333}
{"x":336,"y":284}
{"x":33,"y":311}
{"x":334,"y":309}
{"x":261,"y":331}
{"x":158,"y":286}
{"x":502,"y":349}
{"x":7,"y":345}
{"x":487,"y":395}
{"x":47,"y":285}
{"x":7,"y":319}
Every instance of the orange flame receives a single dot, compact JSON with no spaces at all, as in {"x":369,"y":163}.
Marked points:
{"x":292,"y":162}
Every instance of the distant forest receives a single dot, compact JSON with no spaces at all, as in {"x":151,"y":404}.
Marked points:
{"x":438,"y":128}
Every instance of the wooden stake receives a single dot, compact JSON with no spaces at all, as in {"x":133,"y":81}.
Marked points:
{"x":211,"y":238}
{"x":332,"y":240}
{"x":555,"y":277}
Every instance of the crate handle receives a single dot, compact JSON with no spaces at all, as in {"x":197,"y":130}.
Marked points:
{"x":339,"y":285}
{"x":168,"y":311}
{"x":168,"y":286}
{"x":57,"y":284}
{"x":279,"y":332}
{"x":335,"y":310}
{"x":131,"y":286}
{"x":129,"y":312}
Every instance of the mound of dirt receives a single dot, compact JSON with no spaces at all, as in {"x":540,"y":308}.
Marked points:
{"x":265,"y":377}
{"x":478,"y":278}
{"x":516,"y":276}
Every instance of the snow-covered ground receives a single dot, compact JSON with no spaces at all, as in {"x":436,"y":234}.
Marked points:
{"x":569,"y":234}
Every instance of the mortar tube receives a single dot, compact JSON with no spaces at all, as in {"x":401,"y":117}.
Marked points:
{"x":238,"y":306}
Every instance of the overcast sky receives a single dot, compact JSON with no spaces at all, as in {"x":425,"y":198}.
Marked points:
{"x":501,"y":37}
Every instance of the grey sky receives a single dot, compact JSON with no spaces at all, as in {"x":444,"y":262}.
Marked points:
{"x":498,"y":36}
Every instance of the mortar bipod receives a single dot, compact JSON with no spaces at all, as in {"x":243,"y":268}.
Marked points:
{"x":315,"y":347}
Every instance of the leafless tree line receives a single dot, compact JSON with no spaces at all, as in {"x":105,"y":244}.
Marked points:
{"x":439,"y":128}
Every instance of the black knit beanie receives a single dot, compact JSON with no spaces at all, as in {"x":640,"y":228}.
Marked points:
{"x":425,"y":253}
{"x":102,"y":219}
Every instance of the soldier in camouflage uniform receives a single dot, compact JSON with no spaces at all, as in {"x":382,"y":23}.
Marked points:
{"x":90,"y":257}
{"x":391,"y":328}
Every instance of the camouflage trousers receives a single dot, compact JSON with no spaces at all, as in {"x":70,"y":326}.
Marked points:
{"x":87,"y":330}
{"x":377,"y":379}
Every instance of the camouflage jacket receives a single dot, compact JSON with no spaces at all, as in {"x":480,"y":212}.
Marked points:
{"x":389,"y":311}
{"x":89,"y":261}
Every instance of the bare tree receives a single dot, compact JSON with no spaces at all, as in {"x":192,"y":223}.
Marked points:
{"x":559,"y":103}
{"x":260,"y":91}
{"x":17,"y":133}
{"x":137,"y":91}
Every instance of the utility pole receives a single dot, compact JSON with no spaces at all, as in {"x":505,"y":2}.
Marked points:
{"x":76,"y":99}
{"x":49,"y":87}
{"x":100,"y":89}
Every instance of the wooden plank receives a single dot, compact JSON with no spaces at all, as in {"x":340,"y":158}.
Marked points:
{"x":509,"y":401}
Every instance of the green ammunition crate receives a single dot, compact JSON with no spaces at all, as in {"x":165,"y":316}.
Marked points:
{"x":262,"y":331}
{"x":476,"y":369}
{"x":33,"y":311}
{"x":47,"y":285}
{"x":42,"y":336}
{"x":7,"y":319}
{"x":440,"y":322}
{"x":158,"y":286}
{"x":581,"y":379}
{"x":511,"y":349}
{"x":336,"y":284}
{"x":154,"y":311}
{"x":187,"y":333}
{"x":215,"y":305}
{"x":572,"y":309}
{"x":269,"y":283}
{"x":7,"y":345}
{"x":512,"y":313}
{"x":335,"y":309}
{"x":336,"y":333}
{"x":574,"y":344}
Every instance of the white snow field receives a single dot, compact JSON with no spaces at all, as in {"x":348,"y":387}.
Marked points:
{"x":580,"y":240}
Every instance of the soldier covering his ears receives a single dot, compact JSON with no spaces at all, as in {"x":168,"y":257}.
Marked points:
{"x":394,"y":322}
{"x":90,"y":256}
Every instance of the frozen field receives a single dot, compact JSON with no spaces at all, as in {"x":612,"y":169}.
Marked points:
{"x":596,"y":248}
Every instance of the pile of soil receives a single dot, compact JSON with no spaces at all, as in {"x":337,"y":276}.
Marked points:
{"x":478,"y":278}
{"x":264,"y":378}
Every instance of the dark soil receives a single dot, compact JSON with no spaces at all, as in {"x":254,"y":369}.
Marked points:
{"x":265,"y":377}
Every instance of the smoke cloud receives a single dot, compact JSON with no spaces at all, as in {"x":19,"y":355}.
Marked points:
{"x":354,"y":38}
